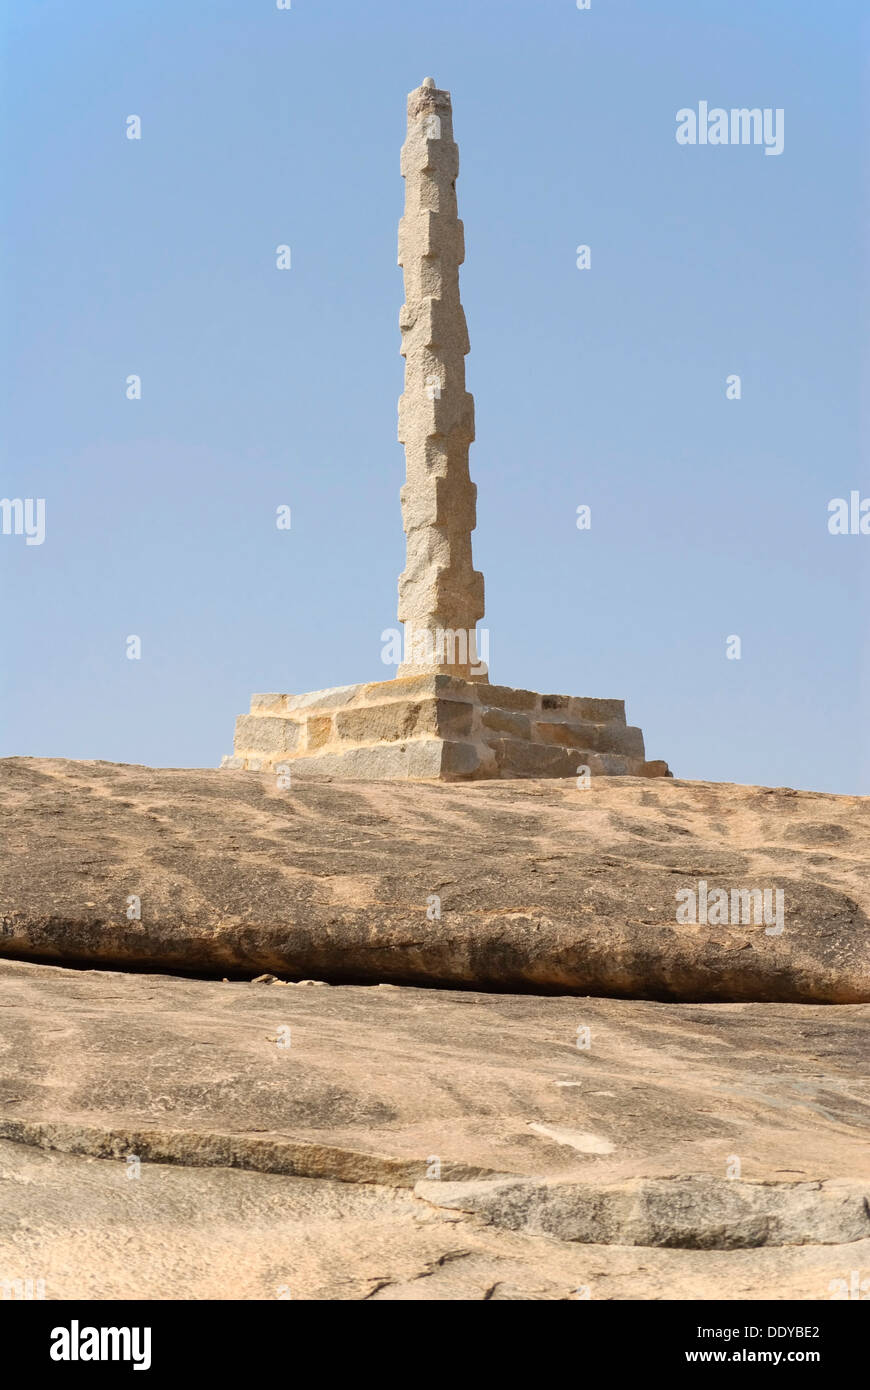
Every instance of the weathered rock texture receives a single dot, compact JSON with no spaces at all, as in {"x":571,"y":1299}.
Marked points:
{"x":539,"y":885}
{"x":220,"y":1233}
{"x":440,"y":591}
{"x":421,"y":1144}
{"x":439,"y":727}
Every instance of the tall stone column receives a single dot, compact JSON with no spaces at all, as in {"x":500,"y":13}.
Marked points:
{"x":459,"y":728}
{"x":440,"y":592}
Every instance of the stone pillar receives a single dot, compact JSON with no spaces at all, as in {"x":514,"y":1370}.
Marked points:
{"x":440,"y":592}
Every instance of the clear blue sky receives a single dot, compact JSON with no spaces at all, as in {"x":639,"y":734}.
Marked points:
{"x":605,"y":387}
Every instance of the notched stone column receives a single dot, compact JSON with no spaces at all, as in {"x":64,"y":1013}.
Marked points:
{"x":440,"y":592}
{"x":442,"y":719}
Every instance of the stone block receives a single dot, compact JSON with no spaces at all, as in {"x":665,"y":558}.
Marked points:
{"x":598,"y":711}
{"x":266,"y":735}
{"x":626,"y":739}
{"x":656,"y":768}
{"x":598,"y":738}
{"x":424,"y":757}
{"x":403,"y":719}
{"x":269,"y":704}
{"x":459,"y":760}
{"x":566,"y":733}
{"x":380,"y":762}
{"x":505,"y":721}
{"x":612,"y":765}
{"x":426,"y":683}
{"x":556,"y":702}
{"x":389,"y":723}
{"x":504,"y":697}
{"x":335,"y":698}
{"x":318,"y":731}
{"x":454,"y":718}
{"x":518,"y":759}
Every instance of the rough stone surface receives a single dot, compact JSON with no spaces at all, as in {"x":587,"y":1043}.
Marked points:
{"x":539,"y":885}
{"x":216,"y":1233}
{"x":686,"y":1213}
{"x":307,"y":1170}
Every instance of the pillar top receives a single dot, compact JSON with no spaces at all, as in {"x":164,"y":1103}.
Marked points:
{"x":427,"y":98}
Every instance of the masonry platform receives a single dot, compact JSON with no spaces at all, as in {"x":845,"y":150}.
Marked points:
{"x":439,"y":726}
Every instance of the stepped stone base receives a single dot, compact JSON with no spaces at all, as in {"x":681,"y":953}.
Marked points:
{"x":442,"y":727}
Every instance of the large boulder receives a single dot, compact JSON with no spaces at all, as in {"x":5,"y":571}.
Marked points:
{"x":539,"y":885}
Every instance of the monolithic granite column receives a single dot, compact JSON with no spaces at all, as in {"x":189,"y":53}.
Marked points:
{"x":442,"y":719}
{"x":440,"y":592}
